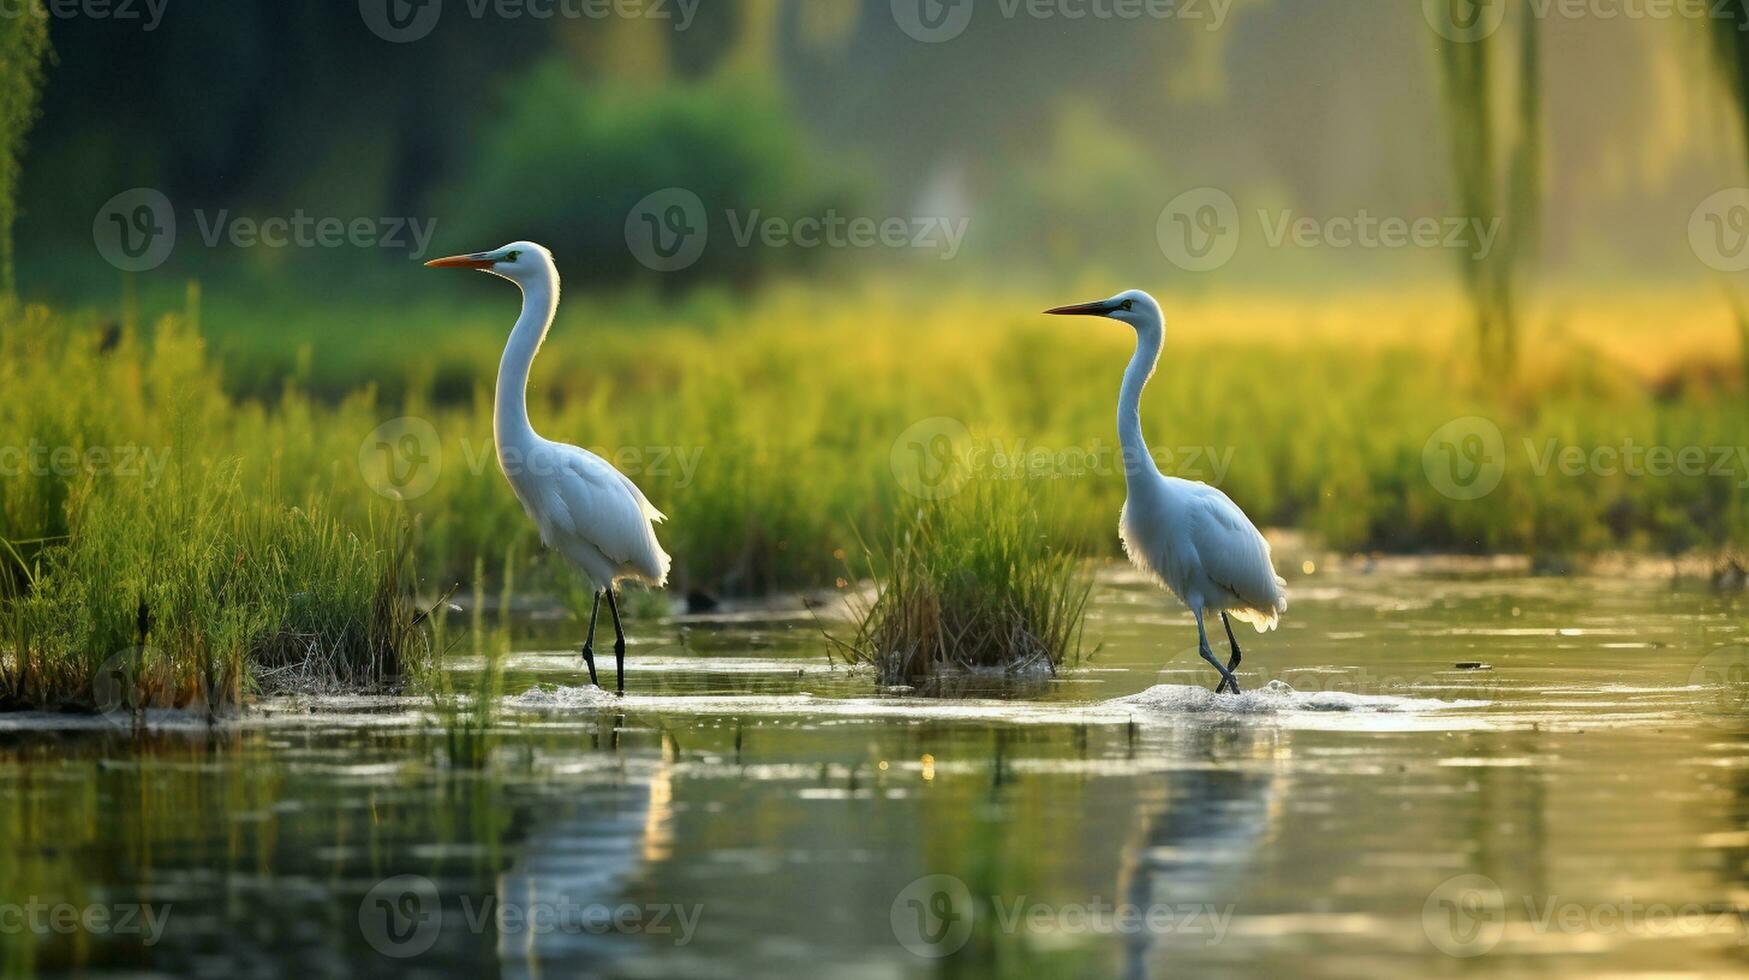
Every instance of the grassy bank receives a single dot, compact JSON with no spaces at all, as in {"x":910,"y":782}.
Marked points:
{"x":260,"y":527}
{"x":769,"y":428}
{"x":156,"y":548}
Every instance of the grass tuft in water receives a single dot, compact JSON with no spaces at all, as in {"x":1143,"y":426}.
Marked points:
{"x":973,"y":584}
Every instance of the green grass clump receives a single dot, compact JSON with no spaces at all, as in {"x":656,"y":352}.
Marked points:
{"x":973,"y":583}
{"x":156,"y":561}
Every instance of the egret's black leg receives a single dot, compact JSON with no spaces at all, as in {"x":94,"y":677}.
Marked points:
{"x":619,"y":642}
{"x":1227,"y":677}
{"x":589,"y":641}
{"x":1233,"y":664}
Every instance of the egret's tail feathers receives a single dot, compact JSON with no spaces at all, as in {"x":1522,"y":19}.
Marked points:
{"x":652,"y":570}
{"x":1265,"y":619}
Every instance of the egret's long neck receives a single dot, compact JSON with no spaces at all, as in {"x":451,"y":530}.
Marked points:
{"x":1137,"y":458}
{"x":540,"y":300}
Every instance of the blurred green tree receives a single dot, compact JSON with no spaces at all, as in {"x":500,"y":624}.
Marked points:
{"x":1730,"y":35}
{"x":1496,"y":163}
{"x":572,"y":162}
{"x":24,"y":42}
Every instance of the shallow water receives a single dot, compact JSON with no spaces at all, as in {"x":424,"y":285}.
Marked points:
{"x":1579,"y":806}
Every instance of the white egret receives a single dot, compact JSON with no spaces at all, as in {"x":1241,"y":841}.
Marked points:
{"x":1187,"y":535}
{"x":586,"y":510}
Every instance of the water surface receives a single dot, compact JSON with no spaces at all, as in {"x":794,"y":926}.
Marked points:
{"x":1579,"y":805}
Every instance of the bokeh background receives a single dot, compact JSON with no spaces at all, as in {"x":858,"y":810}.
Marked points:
{"x":1062,"y":139}
{"x":1581,"y":167}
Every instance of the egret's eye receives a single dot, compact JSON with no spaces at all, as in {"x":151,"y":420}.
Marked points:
{"x":1129,"y":304}
{"x":512,"y":256}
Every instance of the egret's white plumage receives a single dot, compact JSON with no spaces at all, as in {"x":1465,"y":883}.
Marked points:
{"x":1189,"y":536}
{"x":586,"y":510}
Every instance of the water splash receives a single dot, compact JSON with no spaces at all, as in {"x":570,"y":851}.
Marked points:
{"x":1277,"y":697}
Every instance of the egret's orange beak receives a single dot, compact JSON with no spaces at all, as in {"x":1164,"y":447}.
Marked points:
{"x":475,"y":261}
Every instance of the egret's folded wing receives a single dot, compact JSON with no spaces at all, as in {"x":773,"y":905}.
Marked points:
{"x":1235,"y":554}
{"x":598,"y":505}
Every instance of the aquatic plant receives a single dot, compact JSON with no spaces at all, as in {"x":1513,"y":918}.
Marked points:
{"x":972,"y":583}
{"x":467,"y":717}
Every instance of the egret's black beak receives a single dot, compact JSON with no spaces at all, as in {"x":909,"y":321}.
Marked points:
{"x":1101,"y":308}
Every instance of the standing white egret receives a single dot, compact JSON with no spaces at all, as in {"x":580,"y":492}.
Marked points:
{"x":1188,"y":535}
{"x":586,"y":510}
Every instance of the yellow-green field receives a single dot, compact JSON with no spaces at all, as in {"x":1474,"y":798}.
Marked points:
{"x":257,"y":527}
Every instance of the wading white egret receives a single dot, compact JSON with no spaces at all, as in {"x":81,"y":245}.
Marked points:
{"x":1189,"y":536}
{"x":586,"y":510}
